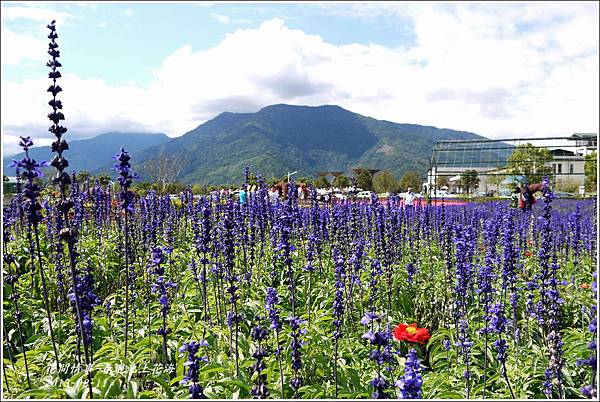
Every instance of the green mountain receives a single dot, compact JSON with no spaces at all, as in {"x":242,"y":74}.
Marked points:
{"x":284,"y":138}
{"x":93,"y":154}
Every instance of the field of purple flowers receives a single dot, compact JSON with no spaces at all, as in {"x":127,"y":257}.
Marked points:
{"x":109,"y":295}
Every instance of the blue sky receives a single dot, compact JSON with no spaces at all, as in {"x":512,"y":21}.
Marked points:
{"x":497,"y":69}
{"x":123,"y":42}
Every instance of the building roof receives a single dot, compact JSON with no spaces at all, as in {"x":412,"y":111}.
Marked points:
{"x":584,"y":136}
{"x":561,"y":152}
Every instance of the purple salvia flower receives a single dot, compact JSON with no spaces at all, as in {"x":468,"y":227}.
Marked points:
{"x":379,"y":341}
{"x":193,"y":368}
{"x":591,"y":390}
{"x":259,"y":389}
{"x":411,"y":382}
{"x":275,"y":324}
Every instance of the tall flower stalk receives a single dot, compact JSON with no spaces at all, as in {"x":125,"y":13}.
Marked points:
{"x":464,"y":250}
{"x":126,"y":197}
{"x":202,"y":239}
{"x":338,"y":313}
{"x":193,"y":368}
{"x":31,"y":205}
{"x":379,"y":341}
{"x":11,"y":279}
{"x":550,"y":307}
{"x":233,"y":317}
{"x":63,"y":180}
{"x":259,"y":390}
{"x":411,"y":382}
{"x":271,"y":307}
{"x":498,"y":326}
{"x":161,"y":288}
{"x":591,"y":390}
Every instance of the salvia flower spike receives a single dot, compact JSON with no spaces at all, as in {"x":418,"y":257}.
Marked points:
{"x":68,"y":233}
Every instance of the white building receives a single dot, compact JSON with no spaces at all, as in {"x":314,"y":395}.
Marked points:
{"x":452,"y":158}
{"x":585,"y":143}
{"x":568,"y":168}
{"x":452,"y":177}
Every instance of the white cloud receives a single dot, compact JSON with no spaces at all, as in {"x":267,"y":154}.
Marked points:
{"x":87,"y":4}
{"x":128,"y":12}
{"x":17,"y":48}
{"x":225,"y":19}
{"x":34,"y":13}
{"x":471,"y":68}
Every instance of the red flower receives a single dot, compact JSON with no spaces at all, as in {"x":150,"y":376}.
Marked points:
{"x":584,"y":286}
{"x":411,"y":333}
{"x":527,"y":253}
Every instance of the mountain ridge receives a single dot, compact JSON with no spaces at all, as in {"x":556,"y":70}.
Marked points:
{"x":92,"y":154}
{"x":274,"y":140}
{"x":281,"y":138}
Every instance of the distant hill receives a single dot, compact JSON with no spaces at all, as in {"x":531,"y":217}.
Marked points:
{"x":273,"y":141}
{"x":284,"y":138}
{"x":95,"y":153}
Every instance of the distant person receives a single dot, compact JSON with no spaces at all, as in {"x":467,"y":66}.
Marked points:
{"x":528,"y":192}
{"x":409,"y":200}
{"x":274,"y":195}
{"x":515,"y":198}
{"x":243,"y":196}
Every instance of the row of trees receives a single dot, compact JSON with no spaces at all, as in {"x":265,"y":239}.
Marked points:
{"x":381,"y":182}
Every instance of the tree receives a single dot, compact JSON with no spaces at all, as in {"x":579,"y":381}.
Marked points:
{"x":530,"y":162}
{"x":469,"y":180}
{"x":591,"y":169}
{"x":103,"y":179}
{"x":410,"y":179}
{"x":142,"y":188}
{"x":199,"y":189}
{"x":175,"y":187}
{"x":322,"y":182}
{"x":495,"y":179}
{"x":442,"y":181}
{"x":82,"y":176}
{"x":341,"y":182}
{"x":569,"y":186}
{"x":164,"y":169}
{"x":9,"y":188}
{"x":385,"y":182}
{"x":364,"y":179}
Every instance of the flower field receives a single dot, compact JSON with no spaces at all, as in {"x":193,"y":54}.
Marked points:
{"x":111,"y":295}
{"x":227,"y":300}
